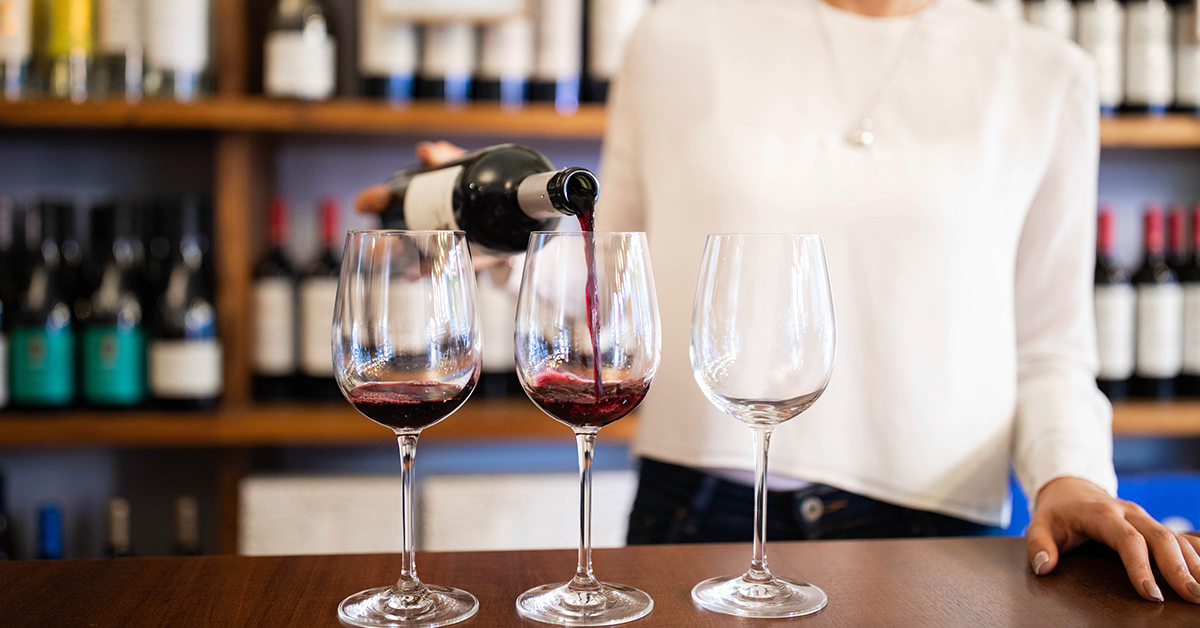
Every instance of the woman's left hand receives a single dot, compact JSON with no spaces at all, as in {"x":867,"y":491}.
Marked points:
{"x":1070,"y":511}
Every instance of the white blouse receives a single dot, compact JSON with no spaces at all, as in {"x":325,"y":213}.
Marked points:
{"x":960,"y":245}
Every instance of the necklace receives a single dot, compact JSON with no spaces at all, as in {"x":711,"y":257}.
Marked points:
{"x":863,"y":134}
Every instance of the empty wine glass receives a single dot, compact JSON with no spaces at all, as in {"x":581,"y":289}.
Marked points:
{"x":762,"y":350}
{"x":586,"y":376}
{"x":406,"y":354}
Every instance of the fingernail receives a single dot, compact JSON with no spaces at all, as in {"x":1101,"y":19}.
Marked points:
{"x":1193,"y":587}
{"x":1039,"y":561}
{"x":1152,"y":590}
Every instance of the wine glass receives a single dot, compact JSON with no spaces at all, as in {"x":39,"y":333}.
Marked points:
{"x":586,"y":376}
{"x":406,"y":354}
{"x":762,"y":350}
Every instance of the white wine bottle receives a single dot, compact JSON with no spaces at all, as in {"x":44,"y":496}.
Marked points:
{"x":299,"y":53}
{"x":177,"y":49}
{"x":16,"y":47}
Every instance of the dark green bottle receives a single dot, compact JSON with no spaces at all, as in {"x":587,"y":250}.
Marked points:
{"x":43,"y":365}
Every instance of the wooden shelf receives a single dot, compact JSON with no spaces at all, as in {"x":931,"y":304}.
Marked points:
{"x":335,"y":423}
{"x":286,"y":424}
{"x":282,"y":116}
{"x":257,"y":114}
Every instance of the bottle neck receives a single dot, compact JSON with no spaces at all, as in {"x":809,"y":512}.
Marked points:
{"x":559,"y":193}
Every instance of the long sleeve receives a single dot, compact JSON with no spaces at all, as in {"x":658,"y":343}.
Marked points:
{"x":622,"y":200}
{"x":1063,"y":423}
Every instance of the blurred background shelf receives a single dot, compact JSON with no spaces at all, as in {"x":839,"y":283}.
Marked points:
{"x":353,"y":116}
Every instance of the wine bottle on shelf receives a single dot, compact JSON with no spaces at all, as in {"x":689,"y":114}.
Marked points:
{"x":558,"y":61}
{"x":156,"y":242}
{"x":43,"y":341}
{"x":67,"y":40}
{"x":387,"y":54}
{"x":300,"y":53}
{"x":1159,"y":316}
{"x":8,"y":549}
{"x":119,"y":543}
{"x":1056,"y":16}
{"x":119,"y":48}
{"x":177,"y":49}
{"x":610,"y":23}
{"x":498,"y":326}
{"x":114,"y":342}
{"x":16,"y":46}
{"x":275,"y":314}
{"x":1100,"y":30}
{"x":497,"y":195}
{"x":73,"y":275}
{"x":1189,"y":276}
{"x":1177,"y":256}
{"x":506,"y":62}
{"x":185,"y":355}
{"x":3,"y":361}
{"x":1116,"y":308}
{"x":318,"y":295}
{"x":50,"y":533}
{"x":1149,"y":76}
{"x":9,"y":258}
{"x":187,"y":527}
{"x":448,"y":63}
{"x":1187,"y":57}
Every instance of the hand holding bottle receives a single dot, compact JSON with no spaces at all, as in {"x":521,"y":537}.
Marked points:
{"x":375,"y":199}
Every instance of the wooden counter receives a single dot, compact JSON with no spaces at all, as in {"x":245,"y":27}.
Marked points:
{"x":927,"y":583}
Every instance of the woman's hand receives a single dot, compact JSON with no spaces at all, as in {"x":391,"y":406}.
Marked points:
{"x":377,"y":197}
{"x":1071,"y":511}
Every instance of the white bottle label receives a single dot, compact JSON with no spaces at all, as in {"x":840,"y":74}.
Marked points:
{"x":498,"y":326}
{"x":612,"y":21}
{"x":1100,"y":31}
{"x":449,"y":50}
{"x":429,"y":200}
{"x":16,"y":31}
{"x":318,"y":297}
{"x":300,"y":64}
{"x":274,"y":326}
{"x":1056,"y":16}
{"x":507,"y":49}
{"x":559,"y":40}
{"x":1160,"y":331}
{"x":1191,"y":329}
{"x":120,"y":26}
{"x":386,"y":46}
{"x":177,"y":35}
{"x":1115,"y":330}
{"x":1149,"y":76}
{"x":185,"y":369}
{"x":3,"y":371}
{"x":1187,"y":60}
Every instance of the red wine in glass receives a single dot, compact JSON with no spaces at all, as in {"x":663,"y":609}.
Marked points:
{"x":573,"y":400}
{"x":408,"y":406}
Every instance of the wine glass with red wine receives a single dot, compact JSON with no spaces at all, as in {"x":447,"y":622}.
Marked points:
{"x":587,"y":349}
{"x":762,"y":349}
{"x":406,"y":354}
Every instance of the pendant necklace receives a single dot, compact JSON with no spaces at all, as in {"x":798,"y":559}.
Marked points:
{"x":863,"y":134}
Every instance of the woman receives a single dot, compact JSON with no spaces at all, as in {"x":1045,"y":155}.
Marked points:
{"x":949,"y":158}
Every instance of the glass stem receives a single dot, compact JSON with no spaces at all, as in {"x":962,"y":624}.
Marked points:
{"x":408,"y":582}
{"x":758,"y":566}
{"x":584,"y":580}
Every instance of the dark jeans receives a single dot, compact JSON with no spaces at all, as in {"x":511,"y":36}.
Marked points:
{"x":677,"y":504}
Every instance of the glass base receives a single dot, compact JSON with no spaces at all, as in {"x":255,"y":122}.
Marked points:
{"x":432,"y":606}
{"x":558,"y":604}
{"x":774,"y":598}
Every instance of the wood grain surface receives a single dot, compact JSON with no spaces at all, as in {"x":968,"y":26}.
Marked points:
{"x":973,"y":583}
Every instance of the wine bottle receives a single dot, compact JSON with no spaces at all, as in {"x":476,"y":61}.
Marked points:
{"x":114,"y":343}
{"x":1056,"y":16}
{"x":610,"y":23}
{"x":156,"y":242}
{"x":72,"y":274}
{"x":275,"y":313}
{"x":3,"y":361}
{"x":387,"y":54}
{"x":1159,"y":316}
{"x":50,"y":534}
{"x":318,"y":296}
{"x":8,"y":550}
{"x":497,"y":195}
{"x":43,"y":342}
{"x":119,"y":48}
{"x":1189,"y":276}
{"x":67,"y":41}
{"x":1116,"y":307}
{"x":10,"y":259}
{"x":185,"y":355}
{"x":1149,"y":77}
{"x":1177,"y":256}
{"x":119,"y":544}
{"x":1100,"y":26}
{"x":187,"y":527}
{"x":1187,"y":58}
{"x":448,"y":63}
{"x":558,"y":61}
{"x":506,"y":62}
{"x":177,"y":49}
{"x":299,"y":53}
{"x":16,"y":46}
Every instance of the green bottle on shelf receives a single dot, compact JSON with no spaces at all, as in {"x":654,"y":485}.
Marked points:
{"x":43,"y":341}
